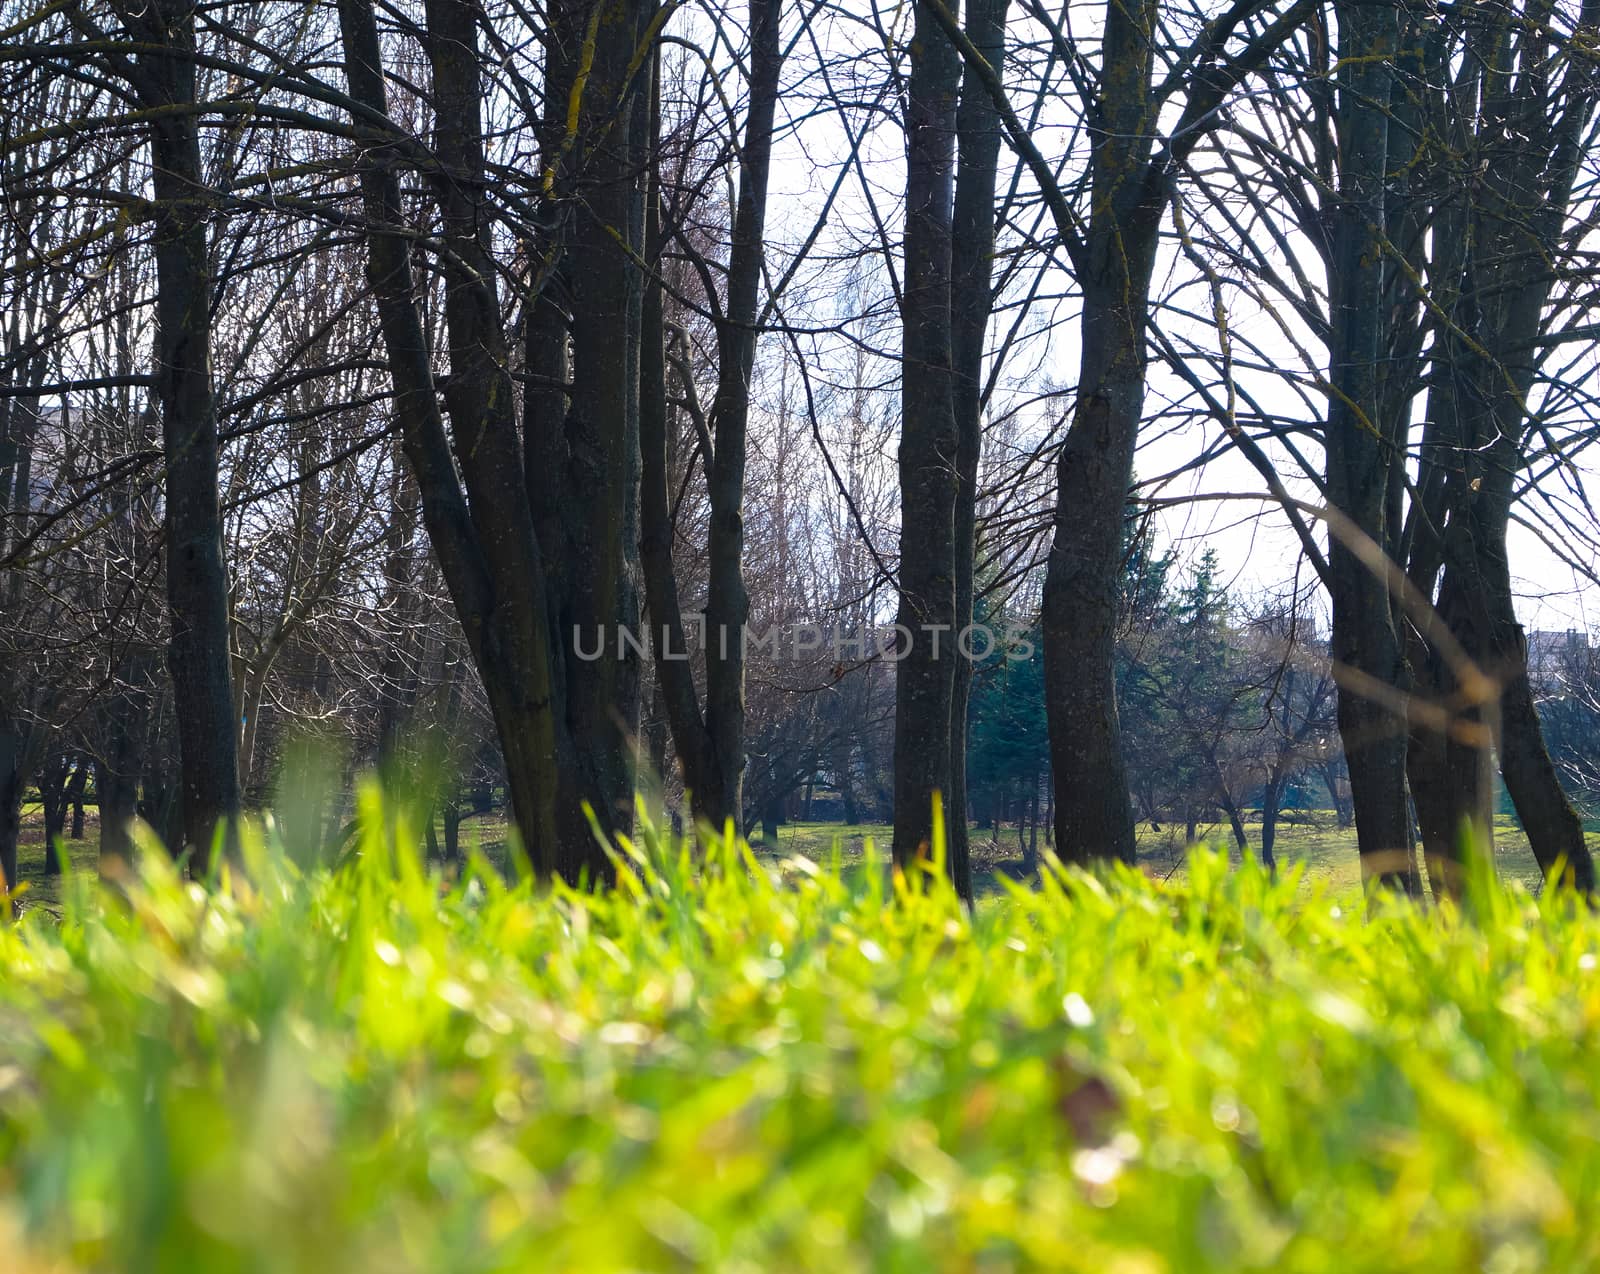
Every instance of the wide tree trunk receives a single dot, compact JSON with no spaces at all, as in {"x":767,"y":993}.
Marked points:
{"x":1493,"y":278}
{"x":1094,"y":811}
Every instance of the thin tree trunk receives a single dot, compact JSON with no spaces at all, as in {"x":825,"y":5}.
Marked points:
{"x":75,"y":790}
{"x":1030,"y":860}
{"x":197,"y":577}
{"x":728,"y":604}
{"x":13,"y":778}
{"x":978,"y":137}
{"x":925,"y":671}
{"x":53,"y":796}
{"x":1361,"y":446}
{"x":1271,"y":797}
{"x":452,"y":831}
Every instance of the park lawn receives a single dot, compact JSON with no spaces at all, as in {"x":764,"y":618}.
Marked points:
{"x":732,"y":1067}
{"x":1326,"y":851}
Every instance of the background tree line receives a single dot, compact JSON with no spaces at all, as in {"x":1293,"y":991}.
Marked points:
{"x":369,"y":371}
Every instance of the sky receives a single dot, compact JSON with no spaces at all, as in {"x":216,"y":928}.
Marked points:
{"x":1257,"y":549}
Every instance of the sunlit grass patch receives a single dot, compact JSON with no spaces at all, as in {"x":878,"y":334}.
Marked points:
{"x":732,"y":1063}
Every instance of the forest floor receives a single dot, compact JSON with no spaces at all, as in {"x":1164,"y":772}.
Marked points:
{"x":1316,"y":840}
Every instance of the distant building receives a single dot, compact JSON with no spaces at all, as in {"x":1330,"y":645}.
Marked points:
{"x":1551,"y":653}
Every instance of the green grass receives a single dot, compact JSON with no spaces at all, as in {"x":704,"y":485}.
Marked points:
{"x":757,"y":1065}
{"x":1316,"y":843}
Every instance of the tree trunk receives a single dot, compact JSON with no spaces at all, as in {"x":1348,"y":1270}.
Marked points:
{"x":430,"y":840}
{"x":565,"y":723}
{"x":1495,"y":283}
{"x":971,"y":301}
{"x":1361,"y":446}
{"x":53,"y":777}
{"x":13,"y":778}
{"x":1271,"y":796}
{"x":452,"y":831}
{"x":727,"y":603}
{"x":846,"y":779}
{"x":116,"y":784}
{"x":601,"y":424}
{"x":1030,"y":860}
{"x":1235,"y":821}
{"x":75,"y":790}
{"x":1094,"y":812}
{"x":1343,"y":816}
{"x":925,"y":670}
{"x":197,"y":578}
{"x":1555,"y":832}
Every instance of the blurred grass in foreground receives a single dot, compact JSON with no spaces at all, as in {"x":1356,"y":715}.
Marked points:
{"x":742,"y":1065}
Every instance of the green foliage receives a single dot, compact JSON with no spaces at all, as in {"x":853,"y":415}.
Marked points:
{"x":1184,"y":690}
{"x":1008,"y":737}
{"x":738,"y":1066}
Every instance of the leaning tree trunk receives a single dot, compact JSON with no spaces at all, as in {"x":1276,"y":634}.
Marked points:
{"x":1129,"y":186}
{"x":536,"y":545}
{"x":197,"y":577}
{"x":925,"y":670}
{"x":1555,"y":832}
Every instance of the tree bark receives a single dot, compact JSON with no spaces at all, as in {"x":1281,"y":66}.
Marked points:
{"x":53,"y":777}
{"x":197,"y":577}
{"x":924,"y":673}
{"x":1271,"y":797}
{"x":565,"y":723}
{"x":14,"y":766}
{"x":710,"y":745}
{"x":75,"y":790}
{"x":1094,"y":812}
{"x":978,"y":137}
{"x":1363,"y":448}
